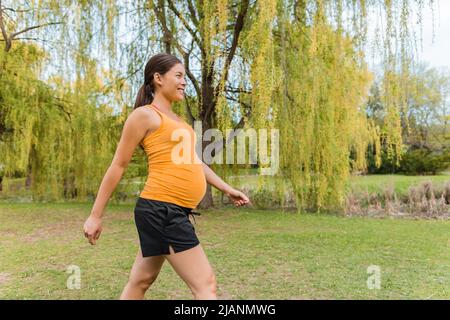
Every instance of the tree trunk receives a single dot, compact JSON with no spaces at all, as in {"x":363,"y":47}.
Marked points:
{"x":28,"y":181}
{"x":207,"y":201}
{"x":207,"y":115}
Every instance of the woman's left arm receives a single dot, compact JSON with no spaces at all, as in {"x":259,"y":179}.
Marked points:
{"x":238,"y":197}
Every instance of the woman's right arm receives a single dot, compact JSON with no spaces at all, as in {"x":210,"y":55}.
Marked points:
{"x":138,"y":123}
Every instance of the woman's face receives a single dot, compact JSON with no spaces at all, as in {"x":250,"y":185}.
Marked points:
{"x":172,"y":84}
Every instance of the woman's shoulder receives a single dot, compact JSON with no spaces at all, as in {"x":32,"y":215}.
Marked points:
{"x":145,"y":116}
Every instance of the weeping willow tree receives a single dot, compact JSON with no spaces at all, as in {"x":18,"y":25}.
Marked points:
{"x":320,"y":112}
{"x":293,"y":65}
{"x":51,"y":130}
{"x":300,"y":67}
{"x":50,"y":136}
{"x":222,"y":38}
{"x":326,"y":69}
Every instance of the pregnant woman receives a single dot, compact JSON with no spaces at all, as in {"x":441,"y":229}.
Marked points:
{"x":173,"y":187}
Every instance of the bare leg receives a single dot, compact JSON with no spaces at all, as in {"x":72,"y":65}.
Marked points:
{"x":143,"y":273}
{"x":193,"y":267}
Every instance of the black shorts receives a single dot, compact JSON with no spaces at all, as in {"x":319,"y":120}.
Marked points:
{"x":160,"y":224}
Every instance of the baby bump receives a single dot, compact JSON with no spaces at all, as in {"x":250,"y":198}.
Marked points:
{"x":184,"y":185}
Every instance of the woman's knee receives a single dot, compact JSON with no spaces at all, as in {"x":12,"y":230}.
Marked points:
{"x":211,"y":281}
{"x":143,"y":281}
{"x":208,"y":285}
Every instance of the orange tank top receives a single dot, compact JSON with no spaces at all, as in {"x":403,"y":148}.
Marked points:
{"x":175,"y":173}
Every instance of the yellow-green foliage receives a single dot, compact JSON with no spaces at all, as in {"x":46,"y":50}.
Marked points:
{"x":320,"y":116}
{"x":59,"y":136}
{"x":307,"y":77}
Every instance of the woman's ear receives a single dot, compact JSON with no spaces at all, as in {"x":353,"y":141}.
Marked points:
{"x":157,"y":78}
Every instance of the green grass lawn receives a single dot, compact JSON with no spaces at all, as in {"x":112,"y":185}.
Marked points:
{"x":356,"y":183}
{"x":401,"y":183}
{"x":256,"y":254}
{"x":371,"y":183}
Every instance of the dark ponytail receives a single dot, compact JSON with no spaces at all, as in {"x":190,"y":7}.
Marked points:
{"x":144,"y":96}
{"x":159,"y":63}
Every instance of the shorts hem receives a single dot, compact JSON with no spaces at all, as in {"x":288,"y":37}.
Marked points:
{"x":167,"y":252}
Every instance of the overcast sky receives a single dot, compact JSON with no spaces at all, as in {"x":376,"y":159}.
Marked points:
{"x":433,"y":52}
{"x":438,"y":53}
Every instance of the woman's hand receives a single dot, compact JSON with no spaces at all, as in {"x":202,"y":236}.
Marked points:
{"x":92,"y":229}
{"x":238,"y":197}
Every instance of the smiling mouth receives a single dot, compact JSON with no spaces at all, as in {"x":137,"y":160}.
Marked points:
{"x":181,"y":90}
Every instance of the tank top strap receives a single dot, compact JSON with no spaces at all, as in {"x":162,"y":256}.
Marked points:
{"x":150,"y":106}
{"x":153,"y":107}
